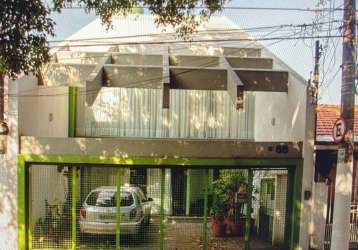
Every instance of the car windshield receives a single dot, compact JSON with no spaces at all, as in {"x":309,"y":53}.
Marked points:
{"x":107,"y":198}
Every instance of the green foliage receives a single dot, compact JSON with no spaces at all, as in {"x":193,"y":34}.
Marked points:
{"x":25,"y":24}
{"x":24,"y":27}
{"x":225,"y":189}
{"x":180,"y":14}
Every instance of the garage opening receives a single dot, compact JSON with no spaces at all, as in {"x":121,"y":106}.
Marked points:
{"x":77,"y":206}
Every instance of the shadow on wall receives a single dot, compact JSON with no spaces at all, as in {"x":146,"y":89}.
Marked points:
{"x":8,"y":204}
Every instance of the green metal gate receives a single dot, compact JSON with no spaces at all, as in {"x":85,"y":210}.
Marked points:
{"x":58,"y":200}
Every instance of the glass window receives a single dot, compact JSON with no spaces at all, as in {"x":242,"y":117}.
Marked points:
{"x":108,"y":199}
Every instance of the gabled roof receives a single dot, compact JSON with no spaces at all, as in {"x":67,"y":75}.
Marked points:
{"x":326,"y":117}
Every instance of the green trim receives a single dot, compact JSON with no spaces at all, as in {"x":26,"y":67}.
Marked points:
{"x":21,"y":201}
{"x":248,"y":210}
{"x":50,"y":249}
{"x":72,"y":99}
{"x":161,"y":226}
{"x":289,"y":207}
{"x":296,"y":209}
{"x":188,"y":194}
{"x":207,"y":162}
{"x":29,"y":193}
{"x":74,"y":208}
{"x":118,"y":208}
{"x":205,"y":223}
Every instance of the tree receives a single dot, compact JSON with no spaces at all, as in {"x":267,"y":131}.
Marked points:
{"x":24,"y":27}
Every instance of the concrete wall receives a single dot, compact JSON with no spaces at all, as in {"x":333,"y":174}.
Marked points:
{"x":319,"y":214}
{"x":306,"y":222}
{"x":43,"y":179}
{"x":8,"y":174}
{"x":43,"y":111}
{"x":280,"y":116}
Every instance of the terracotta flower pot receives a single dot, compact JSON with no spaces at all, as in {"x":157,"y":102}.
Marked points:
{"x":235,"y":228}
{"x":218,"y":227}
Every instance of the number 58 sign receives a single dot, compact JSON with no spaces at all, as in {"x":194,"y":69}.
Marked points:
{"x":339,"y":130}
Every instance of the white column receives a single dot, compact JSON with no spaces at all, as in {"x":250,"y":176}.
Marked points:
{"x":342,"y":201}
{"x":8,"y":176}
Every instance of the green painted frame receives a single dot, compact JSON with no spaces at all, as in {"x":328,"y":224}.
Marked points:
{"x":294,"y":165}
{"x":72,"y":99}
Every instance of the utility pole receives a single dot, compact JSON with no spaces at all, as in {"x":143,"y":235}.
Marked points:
{"x":316,"y":68}
{"x":315,"y":86}
{"x":343,"y":183}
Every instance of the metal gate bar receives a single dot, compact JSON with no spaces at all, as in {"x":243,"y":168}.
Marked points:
{"x":205,"y":224}
{"x":162,"y":190}
{"x":118,"y":208}
{"x":74,"y":208}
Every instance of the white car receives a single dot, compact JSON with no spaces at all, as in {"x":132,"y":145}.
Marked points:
{"x":98,"y":212}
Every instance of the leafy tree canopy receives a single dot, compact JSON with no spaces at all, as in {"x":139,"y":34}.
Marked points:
{"x":26,"y":24}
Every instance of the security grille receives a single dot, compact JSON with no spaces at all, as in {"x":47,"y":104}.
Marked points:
{"x":145,"y":207}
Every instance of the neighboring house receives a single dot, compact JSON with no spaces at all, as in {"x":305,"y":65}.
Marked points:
{"x":325,"y":174}
{"x":167,"y":112}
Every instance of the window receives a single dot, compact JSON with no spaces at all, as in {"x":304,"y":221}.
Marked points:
{"x":108,"y":199}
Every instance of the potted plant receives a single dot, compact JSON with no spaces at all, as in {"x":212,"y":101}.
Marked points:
{"x":234,"y":186}
{"x":217,"y":212}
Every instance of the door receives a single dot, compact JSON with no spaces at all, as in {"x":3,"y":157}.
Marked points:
{"x":266,"y":211}
{"x":178,"y":179}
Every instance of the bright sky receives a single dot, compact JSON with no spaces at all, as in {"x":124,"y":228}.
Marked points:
{"x":299,"y":54}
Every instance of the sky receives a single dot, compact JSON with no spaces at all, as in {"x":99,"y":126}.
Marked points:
{"x":298,"y":54}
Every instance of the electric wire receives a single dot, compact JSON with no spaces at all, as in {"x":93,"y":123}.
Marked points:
{"x":308,"y":9}
{"x":240,"y":30}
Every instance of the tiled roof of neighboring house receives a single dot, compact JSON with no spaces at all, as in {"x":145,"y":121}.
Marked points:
{"x":326,"y":117}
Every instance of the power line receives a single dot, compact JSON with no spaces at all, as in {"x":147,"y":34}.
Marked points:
{"x":308,"y":9}
{"x":203,"y":41}
{"x":103,"y":54}
{"x":250,"y":29}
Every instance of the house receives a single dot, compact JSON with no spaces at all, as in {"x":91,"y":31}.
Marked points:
{"x":136,"y":105}
{"x":325,"y":174}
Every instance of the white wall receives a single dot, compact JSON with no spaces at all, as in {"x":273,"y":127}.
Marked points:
{"x":43,"y":180}
{"x":154,"y":190}
{"x":306,"y":222}
{"x":44,"y":112}
{"x":8,"y":176}
{"x":319,"y":214}
{"x":271,"y":117}
{"x":281,"y":116}
{"x":23,"y":109}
